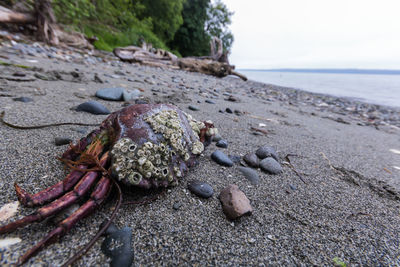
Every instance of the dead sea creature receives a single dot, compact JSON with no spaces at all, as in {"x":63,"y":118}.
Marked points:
{"x":144,"y":145}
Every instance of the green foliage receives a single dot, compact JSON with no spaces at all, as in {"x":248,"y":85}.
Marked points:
{"x":218,"y":20}
{"x":114,"y":22}
{"x":185,"y":25}
{"x":165,"y":15}
{"x":191,"y":38}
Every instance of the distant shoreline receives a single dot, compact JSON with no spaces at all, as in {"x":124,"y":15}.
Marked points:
{"x":334,"y":71}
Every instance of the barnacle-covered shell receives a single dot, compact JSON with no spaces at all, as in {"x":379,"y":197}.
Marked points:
{"x":153,"y":145}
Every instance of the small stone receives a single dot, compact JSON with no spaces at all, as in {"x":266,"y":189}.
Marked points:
{"x":217,"y":138}
{"x":117,"y":246}
{"x":19,"y":74}
{"x":209,"y":101}
{"x":267,"y":151}
{"x":93,"y":107}
{"x":97,"y":79}
{"x":234,"y":202}
{"x":228,"y":110}
{"x":200,"y":189}
{"x":222,"y":159}
{"x":222,"y":144}
{"x":194,"y":108}
{"x":177,"y":205}
{"x":252,"y":160}
{"x":271,"y":166}
{"x":132,"y":95}
{"x":114,"y":94}
{"x":250,"y":174}
{"x":60,"y":141}
{"x":235,"y":158}
{"x":23,"y":99}
{"x":232,"y":98}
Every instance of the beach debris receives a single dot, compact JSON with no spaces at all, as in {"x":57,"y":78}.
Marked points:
{"x":117,"y":246}
{"x":216,"y":64}
{"x":8,"y":210}
{"x":155,"y":155}
{"x":234,"y":202}
{"x":9,"y":242}
{"x":222,"y":159}
{"x":259,"y":130}
{"x":395,"y":151}
{"x":200,"y":189}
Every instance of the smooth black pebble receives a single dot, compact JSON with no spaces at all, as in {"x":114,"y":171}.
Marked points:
{"x":23,"y":99}
{"x":117,"y":246}
{"x":222,"y":144}
{"x":252,"y":160}
{"x":60,"y":141}
{"x":114,"y":94}
{"x":271,"y":166}
{"x":222,"y":159}
{"x":250,"y":174}
{"x":267,"y":151}
{"x":200,"y":189}
{"x":93,"y":107}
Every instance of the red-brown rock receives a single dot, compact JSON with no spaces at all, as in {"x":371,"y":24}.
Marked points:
{"x":234,"y":202}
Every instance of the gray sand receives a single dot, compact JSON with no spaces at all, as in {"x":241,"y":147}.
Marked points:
{"x":342,"y":210}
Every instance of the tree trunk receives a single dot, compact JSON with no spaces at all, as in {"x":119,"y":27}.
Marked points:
{"x":46,"y":22}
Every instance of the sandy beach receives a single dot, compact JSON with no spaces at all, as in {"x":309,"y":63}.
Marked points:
{"x":339,"y":199}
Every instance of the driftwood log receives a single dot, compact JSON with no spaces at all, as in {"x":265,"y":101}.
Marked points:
{"x":216,"y":64}
{"x":44,"y":19}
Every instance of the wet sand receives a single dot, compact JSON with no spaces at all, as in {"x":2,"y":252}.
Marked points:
{"x":347,"y":207}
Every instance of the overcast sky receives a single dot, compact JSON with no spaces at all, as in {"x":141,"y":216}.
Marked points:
{"x":315,"y":33}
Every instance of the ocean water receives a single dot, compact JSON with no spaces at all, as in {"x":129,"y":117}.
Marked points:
{"x":382,"y":89}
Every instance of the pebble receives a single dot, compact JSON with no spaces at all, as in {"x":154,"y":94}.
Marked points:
{"x":200,"y":189}
{"x":252,"y":160}
{"x":194,"y":108}
{"x":19,"y":74}
{"x":222,"y":159}
{"x":23,"y":99}
{"x":114,"y":93}
{"x":234,"y":158}
{"x":266,"y":151}
{"x":209,"y":101}
{"x":250,"y":174}
{"x":234,"y":202}
{"x":60,"y":141}
{"x":117,"y":246}
{"x":217,"y":138}
{"x":228,"y":110}
{"x":222,"y":144}
{"x":93,"y":107}
{"x":271,"y":166}
{"x":132,"y":95}
{"x":177,"y":205}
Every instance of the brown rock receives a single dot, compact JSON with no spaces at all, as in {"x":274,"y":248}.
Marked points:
{"x":234,"y":202}
{"x":252,"y":160}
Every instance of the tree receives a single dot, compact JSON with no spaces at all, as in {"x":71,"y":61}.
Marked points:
{"x":218,"y":20}
{"x":166,"y":16}
{"x":191,"y":38}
